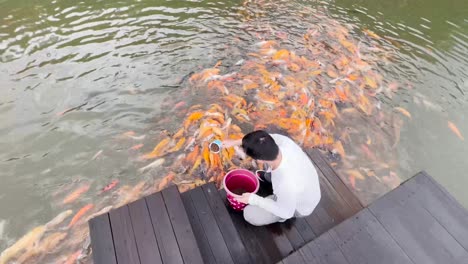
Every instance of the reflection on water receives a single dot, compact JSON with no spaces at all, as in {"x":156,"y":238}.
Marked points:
{"x":88,"y":87}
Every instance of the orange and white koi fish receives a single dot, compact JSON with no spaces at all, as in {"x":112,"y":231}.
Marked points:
{"x":76,"y":194}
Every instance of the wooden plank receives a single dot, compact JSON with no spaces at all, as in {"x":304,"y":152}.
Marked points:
{"x":319,"y":221}
{"x":165,"y":236}
{"x":304,"y":229}
{"x":181,"y":226}
{"x":307,"y":255}
{"x":257,"y":240}
{"x":101,"y":240}
{"x":281,"y":240}
{"x":147,"y":245}
{"x":362,"y":239}
{"x":324,"y":250}
{"x":335,"y":181}
{"x":332,"y":208}
{"x":212,"y":231}
{"x":292,"y":234}
{"x":414,"y":228}
{"x":334,"y":204}
{"x":441,"y":205}
{"x":294,"y":258}
{"x":124,"y":239}
{"x":198,"y":230}
{"x":237,"y":249}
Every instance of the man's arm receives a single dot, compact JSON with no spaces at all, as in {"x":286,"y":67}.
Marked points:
{"x":284,"y":206}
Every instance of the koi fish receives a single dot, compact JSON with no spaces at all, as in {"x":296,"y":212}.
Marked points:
{"x":51,"y":242}
{"x":455,"y":130}
{"x":110,"y":186}
{"x":24,"y":243}
{"x":58,"y":219}
{"x":195,"y":116}
{"x":367,"y":152}
{"x":48,"y":244}
{"x":338,"y":147}
{"x":190,"y":143}
{"x":137,"y":147}
{"x":80,"y":214}
{"x":371,"y":82}
{"x":196,"y":164}
{"x":97,"y":155}
{"x":159,"y":149}
{"x":178,"y":145}
{"x":73,"y":258}
{"x":371,"y":33}
{"x":179,"y":105}
{"x":100,"y":212}
{"x":129,"y":133}
{"x":166,"y":180}
{"x":153,"y":164}
{"x":76,"y":194}
{"x":178,"y":134}
{"x":192,"y":155}
{"x":353,"y":175}
{"x":403,"y":111}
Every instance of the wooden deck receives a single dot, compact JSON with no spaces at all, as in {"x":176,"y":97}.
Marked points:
{"x":198,"y":227}
{"x":418,"y":222}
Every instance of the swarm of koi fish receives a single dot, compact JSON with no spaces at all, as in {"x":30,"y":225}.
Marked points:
{"x":315,"y":94}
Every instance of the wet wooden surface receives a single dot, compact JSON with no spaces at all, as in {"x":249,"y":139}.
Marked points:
{"x":418,"y":222}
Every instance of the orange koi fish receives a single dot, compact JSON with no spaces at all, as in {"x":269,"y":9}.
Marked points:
{"x":206,"y":155}
{"x":159,"y":149}
{"x":455,"y":130}
{"x":166,"y":180}
{"x":196,"y":164}
{"x":195,"y":116}
{"x":281,"y":55}
{"x":403,"y":111}
{"x":178,"y":134}
{"x":178,"y":145}
{"x":193,"y":155}
{"x":353,"y":175}
{"x":80,"y":214}
{"x":75,"y":195}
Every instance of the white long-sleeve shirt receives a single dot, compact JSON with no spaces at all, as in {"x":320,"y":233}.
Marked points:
{"x":295,"y":182}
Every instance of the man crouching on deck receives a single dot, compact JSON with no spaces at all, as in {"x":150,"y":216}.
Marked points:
{"x":296,"y":189}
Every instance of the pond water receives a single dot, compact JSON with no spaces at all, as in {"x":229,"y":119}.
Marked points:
{"x":89,"y":87}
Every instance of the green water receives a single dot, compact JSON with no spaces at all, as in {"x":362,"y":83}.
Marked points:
{"x":119,"y":61}
{"x":433,"y":40}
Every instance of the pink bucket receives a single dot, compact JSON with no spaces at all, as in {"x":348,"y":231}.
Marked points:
{"x":237,"y":182}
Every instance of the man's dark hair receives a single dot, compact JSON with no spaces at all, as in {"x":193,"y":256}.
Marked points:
{"x":260,"y":145}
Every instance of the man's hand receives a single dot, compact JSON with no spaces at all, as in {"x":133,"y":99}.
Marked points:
{"x":244,"y":198}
